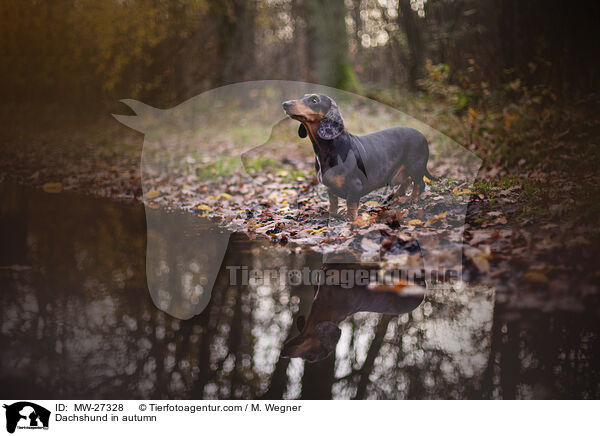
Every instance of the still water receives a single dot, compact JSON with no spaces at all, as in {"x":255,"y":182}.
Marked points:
{"x":77,"y":321}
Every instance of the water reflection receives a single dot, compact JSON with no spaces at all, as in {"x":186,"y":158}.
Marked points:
{"x":333,"y":303}
{"x":77,"y":321}
{"x":183,"y":256}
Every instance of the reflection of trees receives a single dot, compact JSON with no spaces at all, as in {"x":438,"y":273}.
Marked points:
{"x":80,"y":323}
{"x":543,"y":355}
{"x":367,"y":367}
{"x":303,"y":294}
{"x":318,"y":378}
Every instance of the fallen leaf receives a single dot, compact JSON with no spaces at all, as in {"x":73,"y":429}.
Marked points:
{"x":153,"y":193}
{"x":368,"y":245}
{"x":534,"y":277}
{"x":363,"y":220}
{"x":479,"y":236}
{"x":436,"y":218}
{"x":204,"y":207}
{"x":458,"y":191}
{"x":481,"y":263}
{"x":472,"y":115}
{"x":328,"y":240}
{"x":415,"y":223}
{"x":396,"y":287}
{"x":499,"y":221}
{"x":371,"y":204}
{"x":52,"y":188}
{"x":480,"y":259}
{"x":406,"y":289}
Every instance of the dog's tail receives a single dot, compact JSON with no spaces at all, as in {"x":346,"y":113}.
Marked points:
{"x":430,"y":177}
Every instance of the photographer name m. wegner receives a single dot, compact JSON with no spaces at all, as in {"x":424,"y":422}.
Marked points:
{"x":345,"y":278}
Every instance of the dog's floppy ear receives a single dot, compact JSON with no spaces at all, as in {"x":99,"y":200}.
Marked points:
{"x":302,"y":131}
{"x":332,"y":125}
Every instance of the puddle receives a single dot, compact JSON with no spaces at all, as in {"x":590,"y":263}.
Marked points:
{"x":78,"y":321}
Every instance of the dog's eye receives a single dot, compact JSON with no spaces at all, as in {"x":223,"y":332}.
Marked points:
{"x":314,"y":100}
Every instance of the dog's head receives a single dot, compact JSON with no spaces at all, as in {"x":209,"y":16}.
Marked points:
{"x":318,"y":111}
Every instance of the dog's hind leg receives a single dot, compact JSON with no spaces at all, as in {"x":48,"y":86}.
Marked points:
{"x":418,"y":188}
{"x":402,"y":180}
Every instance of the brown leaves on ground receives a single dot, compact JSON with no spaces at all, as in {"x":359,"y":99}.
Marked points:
{"x":502,"y":239}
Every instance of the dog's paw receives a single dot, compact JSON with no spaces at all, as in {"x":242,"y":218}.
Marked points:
{"x":336,"y":215}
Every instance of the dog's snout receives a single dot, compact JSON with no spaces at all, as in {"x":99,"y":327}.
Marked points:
{"x":286,"y":104}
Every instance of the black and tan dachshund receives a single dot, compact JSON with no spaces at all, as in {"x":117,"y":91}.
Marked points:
{"x":351,"y":166}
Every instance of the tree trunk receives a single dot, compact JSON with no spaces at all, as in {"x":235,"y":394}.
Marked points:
{"x":408,"y":20}
{"x":236,"y":39}
{"x":328,"y":44}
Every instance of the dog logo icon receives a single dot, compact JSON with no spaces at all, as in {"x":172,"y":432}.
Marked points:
{"x":26,"y":415}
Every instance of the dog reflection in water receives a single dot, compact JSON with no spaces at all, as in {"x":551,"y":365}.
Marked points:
{"x":332,"y":304}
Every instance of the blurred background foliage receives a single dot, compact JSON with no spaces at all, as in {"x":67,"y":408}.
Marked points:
{"x":74,"y":51}
{"x":495,"y":75}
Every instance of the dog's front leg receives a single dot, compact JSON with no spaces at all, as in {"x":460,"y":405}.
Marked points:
{"x":333,"y":203}
{"x":352,"y":208}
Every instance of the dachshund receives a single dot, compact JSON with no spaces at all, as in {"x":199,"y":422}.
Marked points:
{"x":351,"y":166}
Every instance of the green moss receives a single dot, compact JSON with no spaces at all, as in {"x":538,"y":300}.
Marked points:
{"x":220,"y":168}
{"x":260,"y":164}
{"x":491,"y":187}
{"x":347,"y":79}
